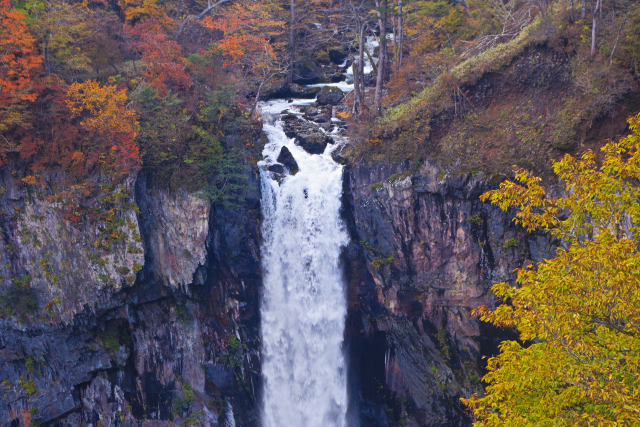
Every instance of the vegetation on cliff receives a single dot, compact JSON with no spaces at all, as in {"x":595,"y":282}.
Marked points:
{"x":577,"y":360}
{"x":93,"y":91}
{"x":483,"y":87}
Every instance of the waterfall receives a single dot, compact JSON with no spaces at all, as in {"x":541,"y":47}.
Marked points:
{"x":304,"y":303}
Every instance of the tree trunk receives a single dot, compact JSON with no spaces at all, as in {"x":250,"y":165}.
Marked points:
{"x":292,"y":40}
{"x":594,"y":27}
{"x":360,"y":71}
{"x":583,"y":12}
{"x":572,"y":17}
{"x":381,"y":10}
{"x":400,"y":34}
{"x":356,"y":86}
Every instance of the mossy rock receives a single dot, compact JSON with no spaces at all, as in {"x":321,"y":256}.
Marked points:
{"x":329,"y":95}
{"x":337,"y":54}
{"x":322,"y":57}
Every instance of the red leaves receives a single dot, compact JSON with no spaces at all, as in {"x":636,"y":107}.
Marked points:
{"x":161,"y":56}
{"x":19,"y":58}
{"x":244,"y":27}
{"x":20,"y":62}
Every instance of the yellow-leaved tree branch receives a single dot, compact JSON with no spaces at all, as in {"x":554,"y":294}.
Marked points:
{"x":577,"y":361}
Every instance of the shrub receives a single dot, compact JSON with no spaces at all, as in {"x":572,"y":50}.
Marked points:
{"x":19,"y":299}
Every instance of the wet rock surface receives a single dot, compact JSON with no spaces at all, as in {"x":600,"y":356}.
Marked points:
{"x":307,"y":71}
{"x":299,"y":91}
{"x":330,"y":96}
{"x":286,"y":158}
{"x":320,"y":114}
{"x":424,"y":254}
{"x":276,"y":168}
{"x":141,"y":351}
{"x":338,"y":54}
{"x":308,"y":135}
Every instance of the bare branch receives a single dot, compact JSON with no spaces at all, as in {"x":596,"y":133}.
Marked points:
{"x":199,"y":16}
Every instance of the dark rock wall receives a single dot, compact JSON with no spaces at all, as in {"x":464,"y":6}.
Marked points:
{"x":181,"y":345}
{"x":424,"y":254}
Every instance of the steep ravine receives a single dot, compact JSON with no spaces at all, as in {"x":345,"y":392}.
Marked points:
{"x":181,"y":344}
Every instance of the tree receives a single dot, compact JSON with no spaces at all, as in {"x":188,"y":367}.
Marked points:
{"x":594,"y":25}
{"x":140,"y":10}
{"x":64,"y":32}
{"x":358,"y":14}
{"x":210,"y":7}
{"x":164,"y":126}
{"x":20,"y":63}
{"x":577,"y":314}
{"x":161,"y":56}
{"x":382,"y":13}
{"x":109,"y":127}
{"x":245,"y":28}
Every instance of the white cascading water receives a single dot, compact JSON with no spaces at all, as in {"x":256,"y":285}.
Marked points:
{"x":304,"y":305}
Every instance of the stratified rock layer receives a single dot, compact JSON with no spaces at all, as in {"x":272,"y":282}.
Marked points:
{"x":124,"y":353}
{"x":425,"y":252}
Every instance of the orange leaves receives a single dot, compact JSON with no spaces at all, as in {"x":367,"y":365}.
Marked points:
{"x":20,"y":62}
{"x":244,"y":26}
{"x":102,"y":103}
{"x":30,"y":179}
{"x":108,"y":123}
{"x":102,"y":110}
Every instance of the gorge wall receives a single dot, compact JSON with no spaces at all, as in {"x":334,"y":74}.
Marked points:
{"x":153,"y":317}
{"x":177,"y":341}
{"x":425,"y":252}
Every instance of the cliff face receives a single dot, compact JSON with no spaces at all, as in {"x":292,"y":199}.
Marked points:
{"x":425,"y":252}
{"x":178,"y":341}
{"x":148,"y":308}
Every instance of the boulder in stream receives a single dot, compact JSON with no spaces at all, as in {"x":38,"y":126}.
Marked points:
{"x":308,"y":135}
{"x":299,"y":91}
{"x":276,"y":168}
{"x":329,"y":95}
{"x":307,"y":71}
{"x":286,"y":158}
{"x":338,"y":54}
{"x":317,"y":113}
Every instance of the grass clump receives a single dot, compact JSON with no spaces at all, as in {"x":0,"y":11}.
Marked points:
{"x":20,"y":299}
{"x":434,"y":98}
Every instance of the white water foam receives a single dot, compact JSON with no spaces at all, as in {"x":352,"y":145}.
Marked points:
{"x":304,"y":307}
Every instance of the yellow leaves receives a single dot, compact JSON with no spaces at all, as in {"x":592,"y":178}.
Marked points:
{"x":579,"y":312}
{"x":102,"y":108}
{"x":535,"y":211}
{"x":109,"y":127}
{"x":63,"y":29}
{"x":135,"y":10}
{"x":30,"y":179}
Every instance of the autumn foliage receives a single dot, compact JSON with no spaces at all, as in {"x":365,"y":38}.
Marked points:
{"x":20,"y":63}
{"x":164,"y":63}
{"x":105,"y":123}
{"x":578,"y":314}
{"x":83,"y":86}
{"x":244,"y":29}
